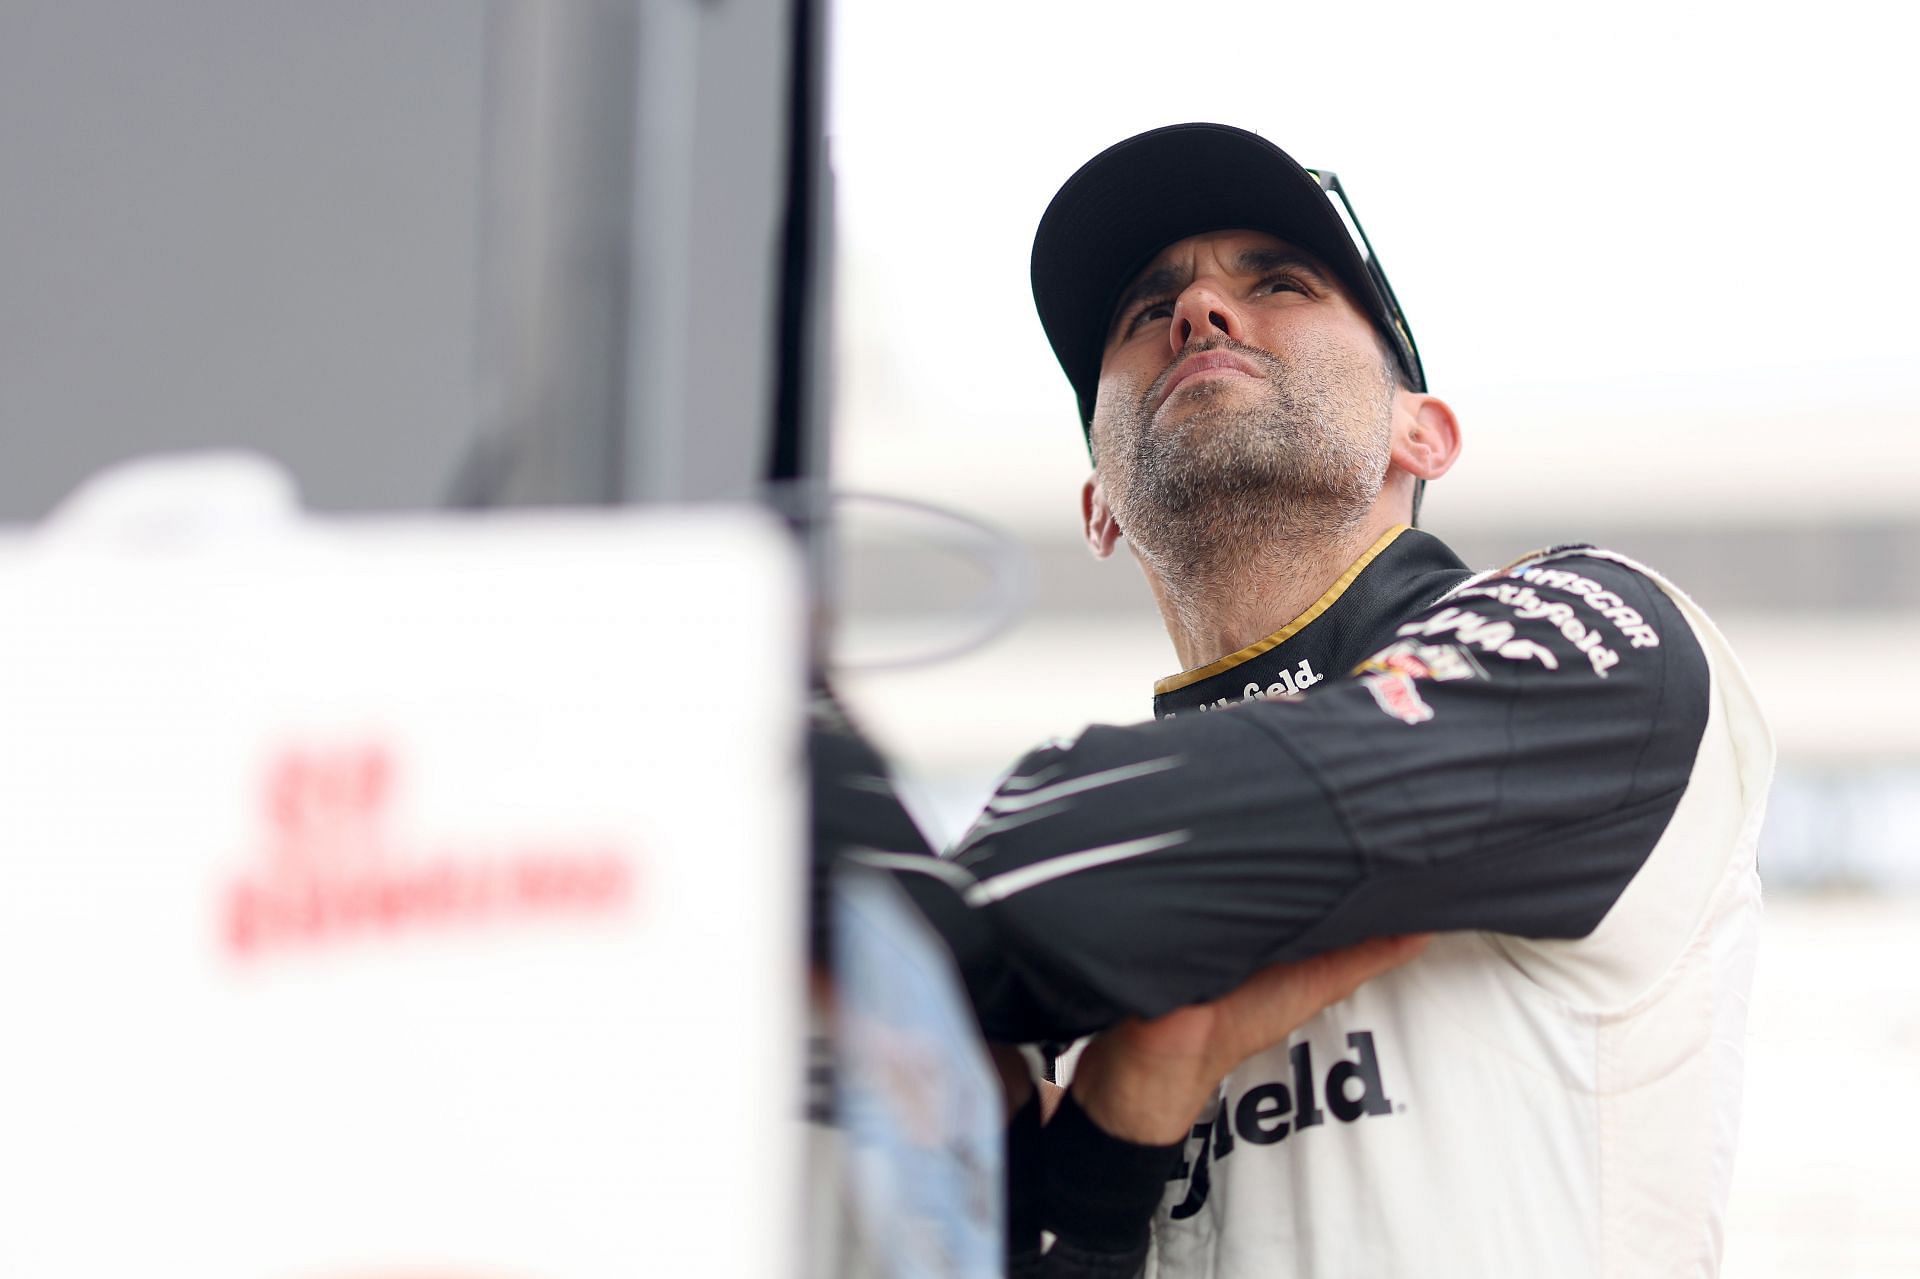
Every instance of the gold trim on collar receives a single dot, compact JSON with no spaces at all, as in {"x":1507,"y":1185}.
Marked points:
{"x":1173,"y":683}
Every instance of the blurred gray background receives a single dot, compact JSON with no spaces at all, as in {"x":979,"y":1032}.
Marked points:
{"x":238,"y":222}
{"x":480,"y":253}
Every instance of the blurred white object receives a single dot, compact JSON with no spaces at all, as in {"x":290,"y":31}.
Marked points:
{"x":177,"y":498}
{"x":396,"y":896}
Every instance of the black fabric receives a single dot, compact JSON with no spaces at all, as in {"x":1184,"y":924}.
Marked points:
{"x":1026,"y":1179}
{"x":1066,"y":1261}
{"x":1501,"y":760}
{"x":1030,"y":1264}
{"x":1101,"y":1191}
{"x":1069,"y":1261}
{"x":1095,"y":1193}
{"x":1140,"y":195}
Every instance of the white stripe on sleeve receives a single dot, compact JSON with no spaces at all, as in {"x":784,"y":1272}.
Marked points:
{"x":998,"y":888}
{"x":1003,"y":804}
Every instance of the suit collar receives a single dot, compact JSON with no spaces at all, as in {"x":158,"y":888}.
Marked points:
{"x":1401,"y":573}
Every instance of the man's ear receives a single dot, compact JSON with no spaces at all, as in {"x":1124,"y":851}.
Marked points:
{"x":1426,"y":435}
{"x":1102,"y":529}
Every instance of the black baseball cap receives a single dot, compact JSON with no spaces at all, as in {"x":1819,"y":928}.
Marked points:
{"x":1138,"y":196}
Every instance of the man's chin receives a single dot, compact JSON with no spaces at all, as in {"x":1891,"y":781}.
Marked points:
{"x":1209,"y":425}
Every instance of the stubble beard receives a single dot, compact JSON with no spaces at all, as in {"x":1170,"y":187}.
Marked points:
{"x":1247,"y":469}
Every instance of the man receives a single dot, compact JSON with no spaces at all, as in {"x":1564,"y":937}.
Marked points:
{"x":1557,"y":765}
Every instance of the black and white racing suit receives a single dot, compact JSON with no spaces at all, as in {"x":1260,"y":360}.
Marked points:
{"x":1557,"y":765}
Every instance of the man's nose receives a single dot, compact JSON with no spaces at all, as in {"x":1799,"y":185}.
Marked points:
{"x":1200,"y":313}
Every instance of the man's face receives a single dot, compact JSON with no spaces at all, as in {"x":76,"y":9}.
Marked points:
{"x":1239,"y":382}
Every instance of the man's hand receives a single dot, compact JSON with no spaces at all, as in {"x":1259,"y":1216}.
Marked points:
{"x":1146,"y":1081}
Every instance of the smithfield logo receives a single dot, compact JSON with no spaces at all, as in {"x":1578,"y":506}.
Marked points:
{"x":1271,"y":1112}
{"x":329,"y":871}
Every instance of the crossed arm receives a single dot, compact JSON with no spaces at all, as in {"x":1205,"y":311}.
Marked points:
{"x":1141,"y":869}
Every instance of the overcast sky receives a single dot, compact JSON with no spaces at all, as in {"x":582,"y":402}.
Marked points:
{"x":1685,"y":201}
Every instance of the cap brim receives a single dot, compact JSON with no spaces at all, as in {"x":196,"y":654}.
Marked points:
{"x":1138,"y":196}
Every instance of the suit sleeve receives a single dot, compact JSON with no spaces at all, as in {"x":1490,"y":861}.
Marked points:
{"x":1506,"y":762}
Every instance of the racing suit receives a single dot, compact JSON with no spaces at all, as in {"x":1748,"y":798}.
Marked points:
{"x":1559,"y":766}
